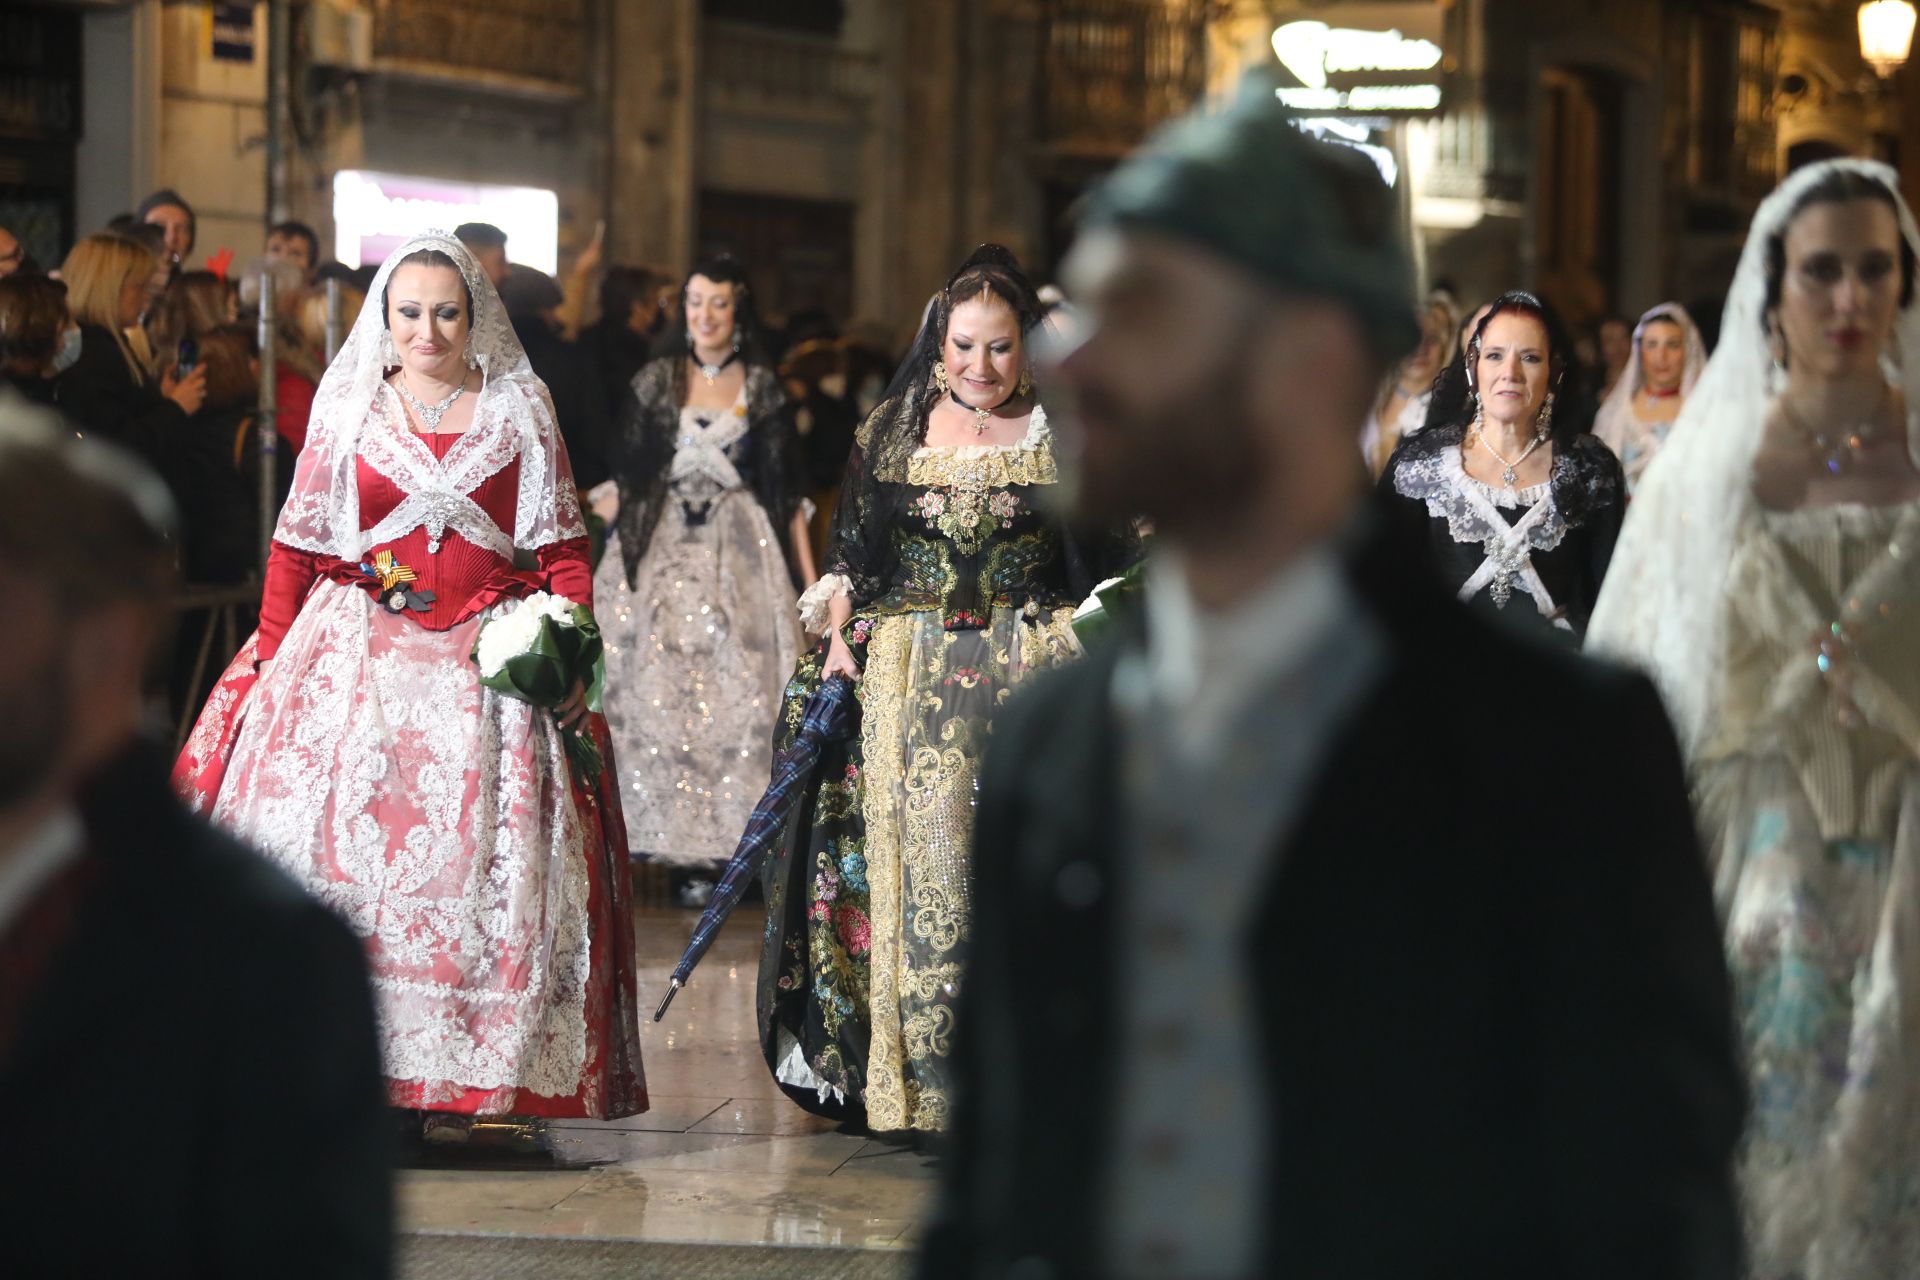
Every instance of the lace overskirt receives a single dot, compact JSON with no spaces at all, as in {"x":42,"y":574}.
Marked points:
{"x":869,"y":901}
{"x":441,"y":822}
{"x":698,"y":650}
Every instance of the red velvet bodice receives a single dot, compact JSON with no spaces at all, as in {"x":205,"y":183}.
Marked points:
{"x":464,"y":578}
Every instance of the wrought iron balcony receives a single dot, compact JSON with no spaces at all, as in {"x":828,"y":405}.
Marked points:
{"x":1111,"y":70}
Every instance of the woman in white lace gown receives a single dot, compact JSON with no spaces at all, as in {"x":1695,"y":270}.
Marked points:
{"x":1768,"y":576}
{"x":351,"y":739}
{"x":1668,"y":358}
{"x":698,"y":583}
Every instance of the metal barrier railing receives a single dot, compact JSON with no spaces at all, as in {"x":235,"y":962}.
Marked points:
{"x":225,"y":606}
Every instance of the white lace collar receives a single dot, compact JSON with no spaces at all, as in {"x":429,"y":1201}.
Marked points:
{"x":1039,"y":435}
{"x":1468,"y":506}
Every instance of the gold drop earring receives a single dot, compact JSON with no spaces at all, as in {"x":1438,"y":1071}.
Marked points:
{"x":1026,"y":382}
{"x":940,"y":375}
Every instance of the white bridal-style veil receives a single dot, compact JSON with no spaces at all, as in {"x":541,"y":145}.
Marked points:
{"x":1616,"y":415}
{"x":1663,"y":607}
{"x":354,"y":420}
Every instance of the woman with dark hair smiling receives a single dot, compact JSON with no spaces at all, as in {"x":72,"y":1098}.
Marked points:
{"x":1501,"y":498}
{"x":699,"y":578}
{"x":951,"y":581}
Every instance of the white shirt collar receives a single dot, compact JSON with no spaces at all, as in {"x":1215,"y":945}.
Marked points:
{"x":1203,"y":665}
{"x":44,"y":851}
{"x":1264,"y":634}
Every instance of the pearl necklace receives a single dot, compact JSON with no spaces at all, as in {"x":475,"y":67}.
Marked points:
{"x":429,"y":413}
{"x":1512,"y":471}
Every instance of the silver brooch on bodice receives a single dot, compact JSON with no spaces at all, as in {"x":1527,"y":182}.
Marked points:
{"x":1507,"y":560}
{"x":440,"y":504}
{"x":429,"y":413}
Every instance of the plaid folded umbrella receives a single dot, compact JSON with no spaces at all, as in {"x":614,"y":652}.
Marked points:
{"x":828,"y":718}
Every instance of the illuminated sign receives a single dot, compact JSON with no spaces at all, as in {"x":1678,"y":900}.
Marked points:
{"x":1343,"y":70}
{"x":374,"y":213}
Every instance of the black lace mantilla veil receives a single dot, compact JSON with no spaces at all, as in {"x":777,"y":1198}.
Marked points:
{"x":643,"y":454}
{"x":874,"y":489}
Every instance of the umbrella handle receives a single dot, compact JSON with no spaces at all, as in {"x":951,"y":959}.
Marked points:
{"x":673,"y":989}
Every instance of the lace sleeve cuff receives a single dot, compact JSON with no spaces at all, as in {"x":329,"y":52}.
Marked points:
{"x":813,"y":605}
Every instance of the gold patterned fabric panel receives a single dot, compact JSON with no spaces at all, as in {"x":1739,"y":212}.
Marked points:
{"x":1011,"y":565}
{"x":926,"y":568}
{"x":995,"y":469}
{"x":928,"y":698}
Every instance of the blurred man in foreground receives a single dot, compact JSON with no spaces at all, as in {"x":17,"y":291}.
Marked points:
{"x":1313,"y":936}
{"x":187,"y":1043}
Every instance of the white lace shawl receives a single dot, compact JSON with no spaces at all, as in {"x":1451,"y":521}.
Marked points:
{"x":1617,"y":425}
{"x":1664,"y":605}
{"x":356,"y":417}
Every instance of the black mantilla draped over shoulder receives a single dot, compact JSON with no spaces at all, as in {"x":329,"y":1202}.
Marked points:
{"x":643,"y":449}
{"x":1491,"y":545}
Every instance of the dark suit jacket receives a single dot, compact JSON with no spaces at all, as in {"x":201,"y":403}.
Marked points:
{"x":1488,"y":981}
{"x":194,"y":1087}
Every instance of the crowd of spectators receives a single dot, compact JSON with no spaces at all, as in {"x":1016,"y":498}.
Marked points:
{"x":144,"y":338}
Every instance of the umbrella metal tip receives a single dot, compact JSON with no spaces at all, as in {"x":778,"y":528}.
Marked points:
{"x":673,"y":989}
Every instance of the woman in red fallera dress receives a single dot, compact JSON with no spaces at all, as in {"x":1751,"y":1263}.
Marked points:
{"x":352,"y":741}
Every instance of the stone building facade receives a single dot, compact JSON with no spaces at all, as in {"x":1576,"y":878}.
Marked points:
{"x":1608,"y":151}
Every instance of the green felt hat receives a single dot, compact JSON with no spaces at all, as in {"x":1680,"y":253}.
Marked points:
{"x":1309,"y":216}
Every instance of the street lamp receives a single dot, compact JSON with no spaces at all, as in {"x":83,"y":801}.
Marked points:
{"x":1886,"y":34}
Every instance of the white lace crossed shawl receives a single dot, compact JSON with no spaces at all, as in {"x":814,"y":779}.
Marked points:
{"x":1664,"y":605}
{"x":356,"y":416}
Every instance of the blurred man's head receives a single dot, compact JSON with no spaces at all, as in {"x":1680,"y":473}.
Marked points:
{"x":87,"y":570}
{"x":1240,"y":289}
{"x":531,"y":297}
{"x":488,"y":245}
{"x":166,"y":210}
{"x":632,"y":296}
{"x":13,"y":254}
{"x":297,"y":243}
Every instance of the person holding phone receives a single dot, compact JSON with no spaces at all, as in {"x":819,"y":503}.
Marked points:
{"x":107,"y":391}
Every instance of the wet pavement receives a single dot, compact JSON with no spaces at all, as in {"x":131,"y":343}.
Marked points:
{"x":722,"y":1157}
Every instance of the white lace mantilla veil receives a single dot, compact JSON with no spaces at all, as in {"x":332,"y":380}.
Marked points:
{"x":1663,"y":607}
{"x":1615,"y":414}
{"x":513,"y":417}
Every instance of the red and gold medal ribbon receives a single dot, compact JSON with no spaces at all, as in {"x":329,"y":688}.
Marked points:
{"x":390,"y":574}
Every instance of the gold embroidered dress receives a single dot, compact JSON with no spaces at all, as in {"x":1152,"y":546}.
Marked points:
{"x":962,"y":586}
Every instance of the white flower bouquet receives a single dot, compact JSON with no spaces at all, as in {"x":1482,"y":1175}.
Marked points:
{"x":536,"y":652}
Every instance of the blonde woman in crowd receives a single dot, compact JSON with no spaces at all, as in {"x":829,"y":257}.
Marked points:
{"x":108,"y":392}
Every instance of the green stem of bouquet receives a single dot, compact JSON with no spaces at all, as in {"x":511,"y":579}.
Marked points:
{"x":585,"y":754}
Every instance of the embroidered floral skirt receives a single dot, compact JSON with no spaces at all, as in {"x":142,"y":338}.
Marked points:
{"x":1823,"y":938}
{"x":442,"y":822}
{"x":870,"y":894}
